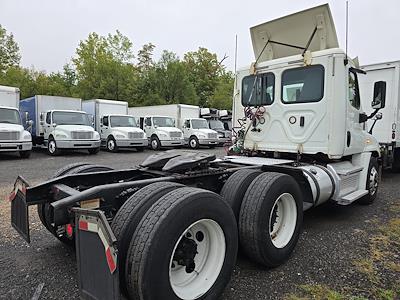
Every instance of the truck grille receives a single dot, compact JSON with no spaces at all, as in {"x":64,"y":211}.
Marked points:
{"x":213,"y":135}
{"x":9,"y":135}
{"x":81,"y":135}
{"x":136,"y":135}
{"x":175,"y":134}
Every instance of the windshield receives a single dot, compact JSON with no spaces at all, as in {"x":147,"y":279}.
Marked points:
{"x":70,"y":118}
{"x":199,"y":124}
{"x":163,"y":122}
{"x":10,"y":116}
{"x":216,"y":124}
{"x":123,"y":121}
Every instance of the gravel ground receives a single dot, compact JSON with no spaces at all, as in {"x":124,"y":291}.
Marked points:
{"x":333,"y":238}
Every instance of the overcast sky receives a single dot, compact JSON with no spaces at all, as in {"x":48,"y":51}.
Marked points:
{"x":48,"y":31}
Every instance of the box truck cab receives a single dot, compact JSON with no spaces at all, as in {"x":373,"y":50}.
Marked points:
{"x":386,"y":130}
{"x":117,"y":129}
{"x":13,"y":136}
{"x":58,"y":123}
{"x":214,"y":123}
{"x":197,"y":133}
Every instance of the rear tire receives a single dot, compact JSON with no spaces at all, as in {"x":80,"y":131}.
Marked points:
{"x":372,"y":183}
{"x":25,"y":154}
{"x":235,"y":187}
{"x":396,"y":160}
{"x":270,"y":218}
{"x":187,"y":229}
{"x":131,"y":212}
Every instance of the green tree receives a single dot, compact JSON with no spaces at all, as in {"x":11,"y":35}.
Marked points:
{"x":204,"y":70}
{"x":223,"y":94}
{"x":103,"y":67}
{"x":9,"y":51}
{"x":145,"y":58}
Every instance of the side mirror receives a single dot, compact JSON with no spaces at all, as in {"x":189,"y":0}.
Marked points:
{"x":26,"y":116}
{"x":378,"y":116}
{"x":41,"y":117}
{"x":29,"y":123}
{"x":379,"y":99}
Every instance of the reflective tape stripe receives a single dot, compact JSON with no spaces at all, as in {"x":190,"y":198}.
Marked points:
{"x":110,"y":260}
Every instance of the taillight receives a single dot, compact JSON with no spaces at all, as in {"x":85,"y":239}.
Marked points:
{"x":69,"y":229}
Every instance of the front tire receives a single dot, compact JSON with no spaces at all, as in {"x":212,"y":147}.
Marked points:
{"x":155,"y":143}
{"x":93,"y":150}
{"x":111,"y":144}
{"x":25,"y":154}
{"x":270,"y":218}
{"x":372,"y":183}
{"x":52,"y":147}
{"x":185,"y":247}
{"x":194,"y":142}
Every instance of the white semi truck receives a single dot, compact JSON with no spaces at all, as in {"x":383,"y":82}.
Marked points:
{"x":13,"y":137}
{"x":58,"y":123}
{"x":116,"y":127}
{"x":161,"y":129}
{"x":387,"y":130}
{"x":170,"y":228}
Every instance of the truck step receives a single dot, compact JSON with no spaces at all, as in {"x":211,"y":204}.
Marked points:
{"x":350,"y":198}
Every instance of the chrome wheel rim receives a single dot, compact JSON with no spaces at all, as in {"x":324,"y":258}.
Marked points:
{"x":52,"y":147}
{"x":111,"y":145}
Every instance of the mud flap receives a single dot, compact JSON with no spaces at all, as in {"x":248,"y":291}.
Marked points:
{"x":97,"y":254}
{"x":19,"y":208}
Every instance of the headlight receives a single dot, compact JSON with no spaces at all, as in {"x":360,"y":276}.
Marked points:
{"x":220,"y":135}
{"x":61,"y":136}
{"x":162,"y":134}
{"x":201,"y":136}
{"x":96,"y":135}
{"x":27,"y":137}
{"x":120,"y":136}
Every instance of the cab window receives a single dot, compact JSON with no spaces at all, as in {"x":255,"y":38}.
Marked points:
{"x":305,"y":84}
{"x":148,"y":122}
{"x":354,"y":95}
{"x":187,"y":124}
{"x":258,"y":89}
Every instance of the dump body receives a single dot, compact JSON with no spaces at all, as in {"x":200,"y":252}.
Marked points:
{"x":13,"y":137}
{"x":60,"y":119}
{"x":112,"y":121}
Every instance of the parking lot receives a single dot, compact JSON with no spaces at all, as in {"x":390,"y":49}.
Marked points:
{"x":334,"y":245}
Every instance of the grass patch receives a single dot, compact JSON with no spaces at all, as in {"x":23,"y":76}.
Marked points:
{"x":320,"y":292}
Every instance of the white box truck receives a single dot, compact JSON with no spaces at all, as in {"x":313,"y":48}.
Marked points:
{"x":117,"y":129}
{"x":13,"y":136}
{"x":58,"y":123}
{"x":196,"y":131}
{"x":214,"y":123}
{"x":386,"y":131}
{"x":160,"y":128}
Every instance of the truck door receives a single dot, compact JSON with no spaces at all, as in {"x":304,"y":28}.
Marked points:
{"x":147,"y":126}
{"x":104,"y":127}
{"x":186,"y":129}
{"x":47,"y":126}
{"x":354,"y":137}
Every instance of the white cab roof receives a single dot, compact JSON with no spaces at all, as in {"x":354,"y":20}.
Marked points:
{"x":295,"y":29}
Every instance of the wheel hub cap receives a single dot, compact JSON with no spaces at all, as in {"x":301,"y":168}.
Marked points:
{"x":373,"y":181}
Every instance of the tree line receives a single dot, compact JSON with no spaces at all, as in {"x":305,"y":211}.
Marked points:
{"x":107,"y":67}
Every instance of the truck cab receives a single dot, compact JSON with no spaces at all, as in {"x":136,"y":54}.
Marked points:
{"x":303,"y":103}
{"x":67,"y":130}
{"x":121,"y":131}
{"x":13,"y":137}
{"x":197,"y":133}
{"x":214,"y":123}
{"x":161,"y":132}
